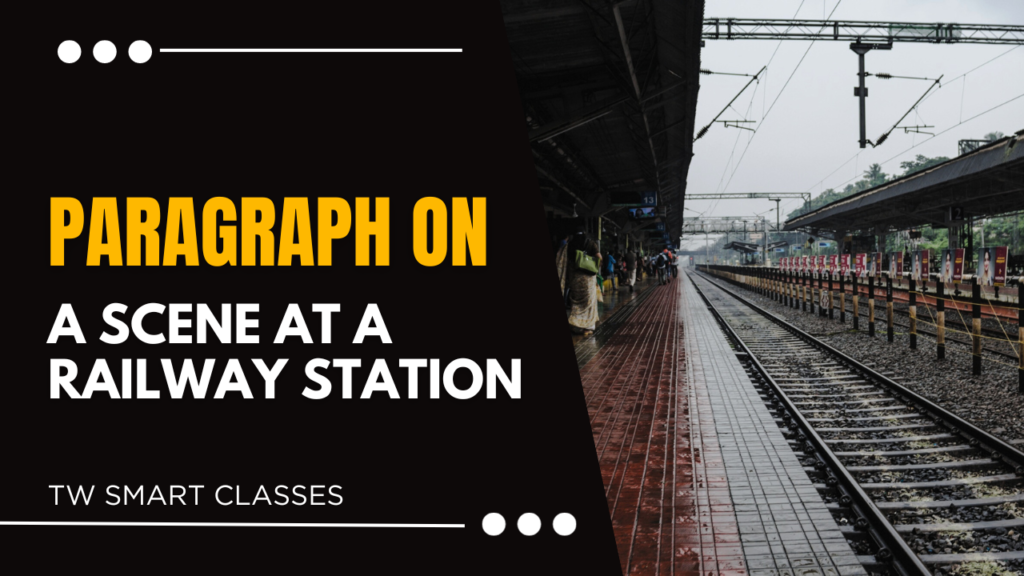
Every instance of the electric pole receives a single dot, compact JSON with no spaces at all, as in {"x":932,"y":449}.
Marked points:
{"x":862,"y":91}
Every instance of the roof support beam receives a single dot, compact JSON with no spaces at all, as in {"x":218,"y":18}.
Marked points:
{"x":555,"y":181}
{"x":584,"y":116}
{"x":632,"y":75}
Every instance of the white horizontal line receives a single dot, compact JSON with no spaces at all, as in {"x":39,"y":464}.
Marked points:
{"x":294,"y":50}
{"x":229,"y":524}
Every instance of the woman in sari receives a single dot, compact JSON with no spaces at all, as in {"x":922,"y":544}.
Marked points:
{"x":562,"y":264}
{"x":583,"y":289}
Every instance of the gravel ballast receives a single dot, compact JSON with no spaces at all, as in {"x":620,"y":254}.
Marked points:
{"x":990,"y":401}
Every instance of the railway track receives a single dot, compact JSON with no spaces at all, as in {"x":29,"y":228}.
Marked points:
{"x":914,"y":488}
{"x":998,"y":342}
{"x":956,"y":330}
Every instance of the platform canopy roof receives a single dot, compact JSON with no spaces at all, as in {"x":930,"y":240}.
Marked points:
{"x":986,"y":182}
{"x":609,"y":94}
{"x":745,"y":247}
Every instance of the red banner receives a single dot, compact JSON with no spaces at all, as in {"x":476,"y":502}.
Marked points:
{"x":919,"y":268}
{"x":1000,"y":274}
{"x":844,"y":265}
{"x":860,"y":264}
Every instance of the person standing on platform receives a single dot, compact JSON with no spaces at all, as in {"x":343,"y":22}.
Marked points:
{"x":631,"y":269}
{"x":583,"y":289}
{"x":661,"y":265}
{"x":609,"y":268}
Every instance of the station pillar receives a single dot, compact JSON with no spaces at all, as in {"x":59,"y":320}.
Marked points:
{"x":888,"y":308}
{"x":940,"y":320}
{"x":912,"y":310}
{"x":976,"y":326}
{"x":856,"y":301}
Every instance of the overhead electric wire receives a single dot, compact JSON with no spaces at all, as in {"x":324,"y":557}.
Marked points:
{"x":764,"y":93}
{"x":736,"y":143}
{"x":779,"y":95}
{"x":886,"y":135}
{"x":985,"y":63}
{"x":705,"y":129}
{"x":939,"y":134}
{"x":707,"y":72}
{"x":887,"y":76}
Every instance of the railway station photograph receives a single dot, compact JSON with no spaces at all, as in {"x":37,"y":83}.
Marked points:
{"x":788,"y":243}
{"x":518,"y":287}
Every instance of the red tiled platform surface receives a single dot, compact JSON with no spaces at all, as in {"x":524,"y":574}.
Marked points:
{"x":662,"y":468}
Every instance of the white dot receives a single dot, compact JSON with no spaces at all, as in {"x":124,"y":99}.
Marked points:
{"x":140,"y":51}
{"x":564,"y":524}
{"x":529,"y":524}
{"x":104,"y":51}
{"x":69,"y":51}
{"x":494,"y":524}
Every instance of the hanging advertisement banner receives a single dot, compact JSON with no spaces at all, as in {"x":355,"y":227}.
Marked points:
{"x":992,"y":266}
{"x":895,"y":264}
{"x":999,"y":277}
{"x":919,"y":268}
{"x":844,"y":265}
{"x":820,"y":263}
{"x":803,"y":264}
{"x":951,"y":267}
{"x":832,"y":264}
{"x":860,"y":266}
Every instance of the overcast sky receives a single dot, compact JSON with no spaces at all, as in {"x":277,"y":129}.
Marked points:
{"x":813,"y":128}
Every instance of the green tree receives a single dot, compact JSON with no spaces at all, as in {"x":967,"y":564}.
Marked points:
{"x":873,"y":176}
{"x":920,"y":163}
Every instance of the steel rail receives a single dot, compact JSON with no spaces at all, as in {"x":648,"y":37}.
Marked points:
{"x":892,"y":546}
{"x":986,"y":441}
{"x":883,"y":532}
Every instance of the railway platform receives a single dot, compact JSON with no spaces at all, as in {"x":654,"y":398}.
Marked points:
{"x":698,"y":474}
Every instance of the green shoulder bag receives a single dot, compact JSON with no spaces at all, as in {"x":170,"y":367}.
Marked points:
{"x":585,"y":263}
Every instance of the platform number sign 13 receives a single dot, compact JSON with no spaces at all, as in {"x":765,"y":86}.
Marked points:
{"x":649,"y":198}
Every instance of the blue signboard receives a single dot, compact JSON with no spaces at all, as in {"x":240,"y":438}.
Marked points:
{"x":822,"y":244}
{"x":659,"y":226}
{"x":780,"y":249}
{"x":649,"y":198}
{"x":797,"y":248}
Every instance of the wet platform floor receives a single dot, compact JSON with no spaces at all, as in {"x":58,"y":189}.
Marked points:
{"x":698,"y":477}
{"x":615,"y":306}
